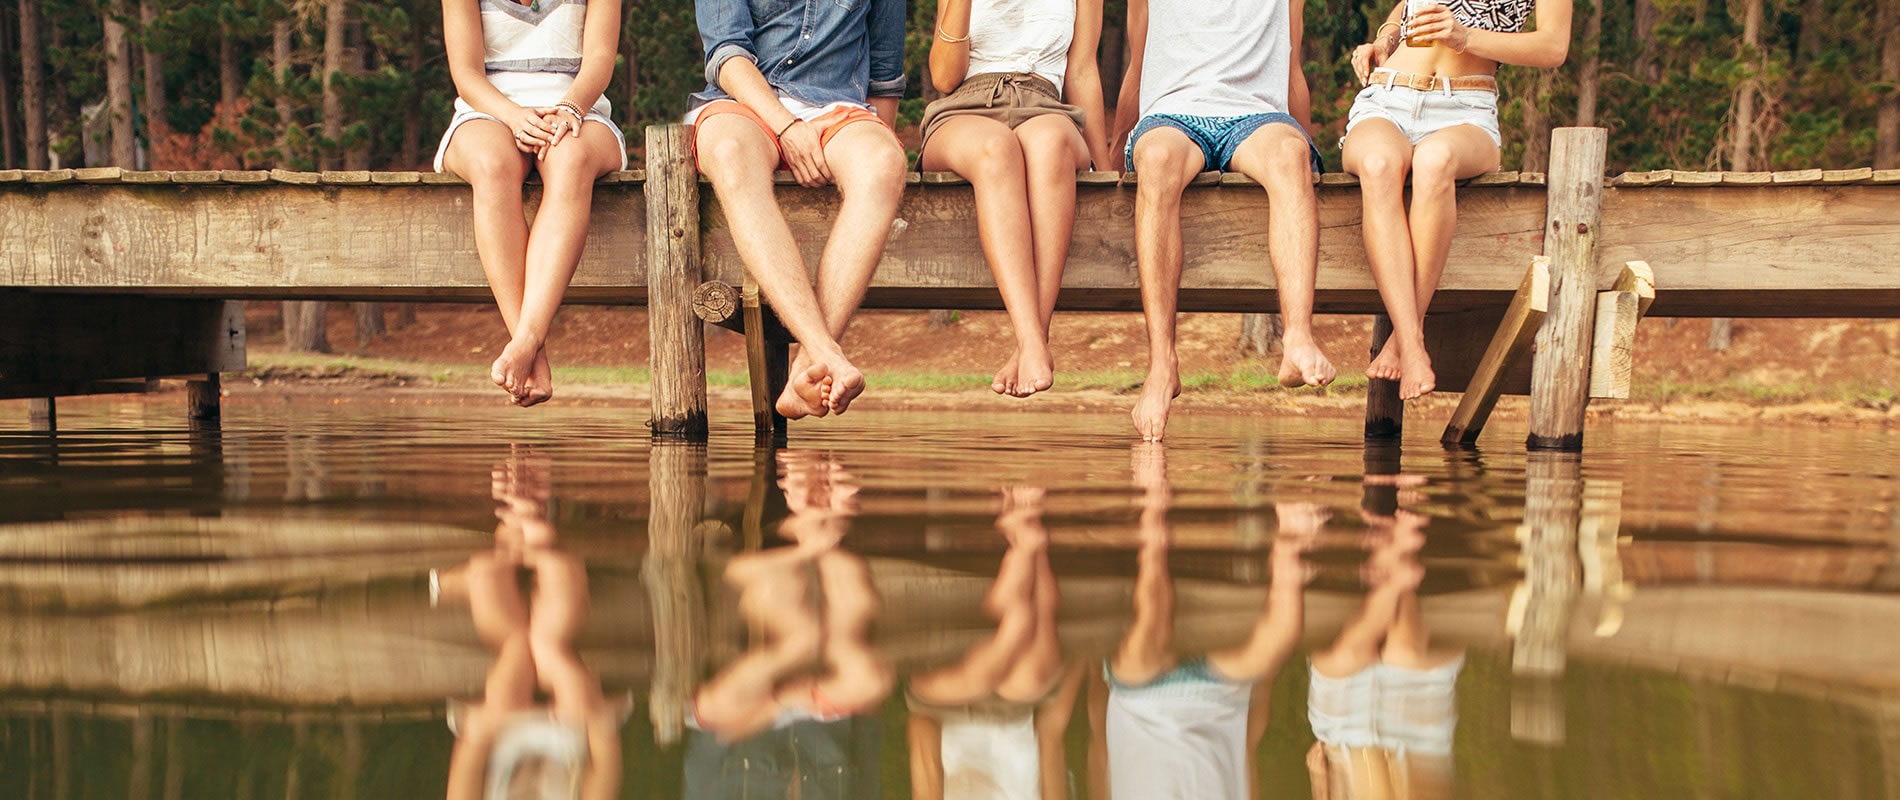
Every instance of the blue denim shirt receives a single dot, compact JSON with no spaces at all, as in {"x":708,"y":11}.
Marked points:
{"x":817,"y":51}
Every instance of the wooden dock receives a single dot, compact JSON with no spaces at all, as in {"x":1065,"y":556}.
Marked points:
{"x":146,"y":251}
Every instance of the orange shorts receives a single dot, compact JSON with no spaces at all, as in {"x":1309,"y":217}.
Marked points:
{"x":828,"y":125}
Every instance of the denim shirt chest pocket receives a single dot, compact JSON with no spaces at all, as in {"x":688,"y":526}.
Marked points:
{"x":817,"y":51}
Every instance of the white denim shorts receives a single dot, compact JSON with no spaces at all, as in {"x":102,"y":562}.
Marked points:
{"x":1421,"y":114}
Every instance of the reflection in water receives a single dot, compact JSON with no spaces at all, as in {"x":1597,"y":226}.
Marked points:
{"x":507,"y":743}
{"x":247,"y":614}
{"x":1381,"y":699}
{"x":786,"y":718}
{"x":1176,"y":727}
{"x":990,"y":724}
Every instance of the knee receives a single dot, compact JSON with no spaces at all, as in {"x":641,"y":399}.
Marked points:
{"x":1433,"y":170}
{"x":567,"y":175}
{"x":998,"y":158}
{"x":878,"y":173}
{"x":1289,"y":156}
{"x":727,"y":160}
{"x":1161,"y":166}
{"x":1381,"y":169}
{"x":1046,"y":149}
{"x":494,"y":169}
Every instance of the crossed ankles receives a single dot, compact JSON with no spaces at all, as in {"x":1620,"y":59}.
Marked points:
{"x":819,"y":388}
{"x":523,"y":373}
{"x":1410,"y":366}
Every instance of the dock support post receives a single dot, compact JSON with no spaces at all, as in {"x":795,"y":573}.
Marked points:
{"x":1543,"y":603}
{"x":42,"y":414}
{"x":1385,"y":412}
{"x":1560,"y":376}
{"x":673,"y":274}
{"x":670,"y":573}
{"x":202,"y":402}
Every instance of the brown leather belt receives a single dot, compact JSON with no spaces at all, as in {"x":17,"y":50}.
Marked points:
{"x":1433,"y":83}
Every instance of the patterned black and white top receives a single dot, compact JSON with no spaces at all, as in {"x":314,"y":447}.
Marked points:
{"x":1502,"y":16}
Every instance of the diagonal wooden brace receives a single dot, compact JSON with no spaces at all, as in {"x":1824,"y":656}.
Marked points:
{"x":1511,"y":342}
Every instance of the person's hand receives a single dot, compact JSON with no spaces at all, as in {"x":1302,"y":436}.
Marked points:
{"x":1364,"y":58}
{"x":531,"y":129}
{"x":805,"y":153}
{"x":1436,"y":24}
{"x":562,"y":122}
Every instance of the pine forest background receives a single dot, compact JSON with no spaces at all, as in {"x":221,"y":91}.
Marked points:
{"x":345,"y":84}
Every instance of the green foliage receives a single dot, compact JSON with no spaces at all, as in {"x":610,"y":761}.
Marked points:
{"x":1669,"y":101}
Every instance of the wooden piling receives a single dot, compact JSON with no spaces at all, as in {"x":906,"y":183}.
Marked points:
{"x":1560,"y":376}
{"x":1385,"y":412}
{"x":670,"y":572}
{"x":202,"y":400}
{"x":673,"y":275}
{"x":1541,"y":610}
{"x":42,"y":414}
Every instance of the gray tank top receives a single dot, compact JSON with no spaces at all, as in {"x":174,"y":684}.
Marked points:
{"x":1216,"y":58}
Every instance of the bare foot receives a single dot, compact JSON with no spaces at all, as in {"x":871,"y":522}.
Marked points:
{"x":1419,"y":379}
{"x":1151,"y":411}
{"x":1386,"y":365}
{"x":1035,"y":369}
{"x":804,"y":394}
{"x":845,"y":386}
{"x":540,"y":382}
{"x":1303,"y":364}
{"x":515,"y":366}
{"x":1005,"y":380}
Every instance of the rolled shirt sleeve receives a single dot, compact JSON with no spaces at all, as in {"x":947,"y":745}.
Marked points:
{"x":886,"y":21}
{"x":725,"y":32}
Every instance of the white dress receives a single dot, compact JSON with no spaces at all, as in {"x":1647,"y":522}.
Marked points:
{"x":532,"y":57}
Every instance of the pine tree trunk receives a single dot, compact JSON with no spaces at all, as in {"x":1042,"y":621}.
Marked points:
{"x":1537,"y":126}
{"x":230,"y":78}
{"x":1644,"y":29}
{"x":32,"y":85}
{"x":334,"y":34}
{"x":631,"y":47}
{"x":280,"y":64}
{"x":1887,"y":119}
{"x":118,"y":51}
{"x":153,"y":63}
{"x":9,"y":122}
{"x":355,"y":64}
{"x":1259,"y":335}
{"x":369,"y":323}
{"x":1587,"y":73}
{"x":1742,"y":133}
{"x":1813,"y":17}
{"x":411,"y":155}
{"x":405,"y":314}
{"x":306,"y":326}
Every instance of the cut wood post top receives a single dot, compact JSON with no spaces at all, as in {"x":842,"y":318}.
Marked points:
{"x":1639,"y":278}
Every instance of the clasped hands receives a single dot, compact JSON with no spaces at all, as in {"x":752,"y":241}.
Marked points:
{"x":538,"y":130}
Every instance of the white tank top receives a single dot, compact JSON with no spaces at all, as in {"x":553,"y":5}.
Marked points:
{"x":991,"y":759}
{"x":519,"y":38}
{"x":1216,"y":58}
{"x":1022,"y":36}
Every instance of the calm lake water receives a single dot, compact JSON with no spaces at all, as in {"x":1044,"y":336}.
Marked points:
{"x":305,"y":604}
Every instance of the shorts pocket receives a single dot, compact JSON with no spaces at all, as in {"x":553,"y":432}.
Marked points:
{"x":1482,"y":101}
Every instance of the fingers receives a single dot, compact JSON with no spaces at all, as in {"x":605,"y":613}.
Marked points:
{"x":1362,"y":62}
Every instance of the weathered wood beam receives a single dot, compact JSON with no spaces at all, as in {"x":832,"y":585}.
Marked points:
{"x":1541,"y":608}
{"x":675,"y":593}
{"x":674,"y":273}
{"x":1560,"y":385}
{"x":1512,"y":340}
{"x":61,"y":340}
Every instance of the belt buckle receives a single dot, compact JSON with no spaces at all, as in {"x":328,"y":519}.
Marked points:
{"x":1422,"y":83}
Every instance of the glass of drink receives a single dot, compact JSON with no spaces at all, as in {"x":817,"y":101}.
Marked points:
{"x":1412,"y":7}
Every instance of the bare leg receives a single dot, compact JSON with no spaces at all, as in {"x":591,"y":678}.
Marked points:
{"x":560,"y":608}
{"x":857,"y":677}
{"x":1053,"y":151}
{"x":1439,"y":161}
{"x":483,"y":153}
{"x":1277,"y":632}
{"x":1011,"y":602}
{"x":1381,"y":156}
{"x":1279,"y":158}
{"x":738,"y":158}
{"x":738,"y":699}
{"x":1166,"y":160}
{"x":568,"y":173}
{"x":1147,"y":650}
{"x":1040,"y":668}
{"x":987,"y":153}
{"x":868,"y":164}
